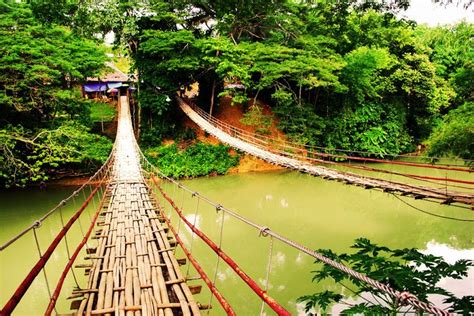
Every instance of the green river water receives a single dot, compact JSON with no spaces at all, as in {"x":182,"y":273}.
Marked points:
{"x":314,"y":212}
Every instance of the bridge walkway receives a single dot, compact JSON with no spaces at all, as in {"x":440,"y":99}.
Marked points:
{"x":134,"y":270}
{"x":248,"y":145}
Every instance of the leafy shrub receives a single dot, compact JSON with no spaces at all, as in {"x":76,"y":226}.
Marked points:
{"x":196,"y":160}
{"x":455,"y":136}
{"x":27,"y":157}
{"x":300,"y":123}
{"x":255,"y":117}
{"x":101,"y":112}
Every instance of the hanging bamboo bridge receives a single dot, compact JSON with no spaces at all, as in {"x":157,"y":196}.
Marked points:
{"x":133,"y":269}
{"x":292,"y":156}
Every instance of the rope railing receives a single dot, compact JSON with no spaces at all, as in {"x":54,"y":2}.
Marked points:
{"x":62,"y":278}
{"x":214,"y":291}
{"x":309,"y":149}
{"x":306,"y":151}
{"x":405,"y":298}
{"x":440,"y":194}
{"x":280,"y":310}
{"x":26,"y":283}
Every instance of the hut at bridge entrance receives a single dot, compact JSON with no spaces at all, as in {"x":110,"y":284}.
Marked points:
{"x":110,"y":85}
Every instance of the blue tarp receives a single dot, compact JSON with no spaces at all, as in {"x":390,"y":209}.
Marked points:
{"x":114,"y":84}
{"x":95,"y":87}
{"x":101,"y":86}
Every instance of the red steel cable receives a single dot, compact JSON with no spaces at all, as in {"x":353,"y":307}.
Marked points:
{"x":60,"y":283}
{"x":24,"y":286}
{"x":280,"y":310}
{"x":225,"y":305}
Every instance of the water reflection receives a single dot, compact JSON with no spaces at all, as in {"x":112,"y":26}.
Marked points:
{"x":451,"y":255}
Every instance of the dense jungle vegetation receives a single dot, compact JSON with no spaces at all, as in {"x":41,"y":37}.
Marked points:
{"x":338,"y":74}
{"x":45,"y":123}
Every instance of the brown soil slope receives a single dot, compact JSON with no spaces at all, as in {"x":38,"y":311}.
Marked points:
{"x":232,"y":114}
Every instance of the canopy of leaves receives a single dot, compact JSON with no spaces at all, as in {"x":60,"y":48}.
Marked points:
{"x":346,"y":73}
{"x":39,"y":65}
{"x":43,"y":129}
{"x":27,"y":157}
{"x":455,"y":135}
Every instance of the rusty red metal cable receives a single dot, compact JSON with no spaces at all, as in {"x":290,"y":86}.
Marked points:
{"x":26,"y":283}
{"x":406,"y":297}
{"x":274,"y":305}
{"x":71,"y":260}
{"x":408,"y":175}
{"x":222,"y":301}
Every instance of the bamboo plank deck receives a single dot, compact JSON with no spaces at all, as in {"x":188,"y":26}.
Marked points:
{"x":250,"y":147}
{"x":134,"y":270}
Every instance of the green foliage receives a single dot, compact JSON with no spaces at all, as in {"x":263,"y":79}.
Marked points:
{"x":323,"y":300}
{"x":343,"y":74}
{"x":300,"y":123}
{"x":39,"y":65}
{"x":372,"y":127}
{"x":453,"y":55}
{"x":402,"y":269}
{"x":362,"y":74}
{"x":455,"y":135}
{"x":255,"y":117}
{"x":28,"y":157}
{"x":196,"y":160}
{"x":102,"y":112}
{"x":43,"y":131}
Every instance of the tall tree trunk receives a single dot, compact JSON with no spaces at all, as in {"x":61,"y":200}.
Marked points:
{"x":213,"y":91}
{"x":212,"y":97}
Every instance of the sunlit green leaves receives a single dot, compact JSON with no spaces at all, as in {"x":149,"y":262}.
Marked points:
{"x":455,"y":135}
{"x":198,"y":159}
{"x":401,"y":269}
{"x":32,"y":157}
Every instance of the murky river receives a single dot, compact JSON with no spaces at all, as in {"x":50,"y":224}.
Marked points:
{"x":314,"y":212}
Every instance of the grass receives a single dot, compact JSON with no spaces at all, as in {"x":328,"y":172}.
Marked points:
{"x":102,"y":112}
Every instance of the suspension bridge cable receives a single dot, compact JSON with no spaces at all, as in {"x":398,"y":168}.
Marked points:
{"x":428,"y":179}
{"x":67,"y":247}
{"x":28,"y":280}
{"x":348,"y":177}
{"x":297,"y":146}
{"x":432,"y":214}
{"x":69,"y":265}
{"x":216,"y":269}
{"x":267,"y":275}
{"x":63,"y":202}
{"x":222,"y":301}
{"x":404,"y":297}
{"x":250,"y":282}
{"x":48,"y":288}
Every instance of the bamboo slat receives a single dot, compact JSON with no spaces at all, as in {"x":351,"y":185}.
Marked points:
{"x":133,"y":270}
